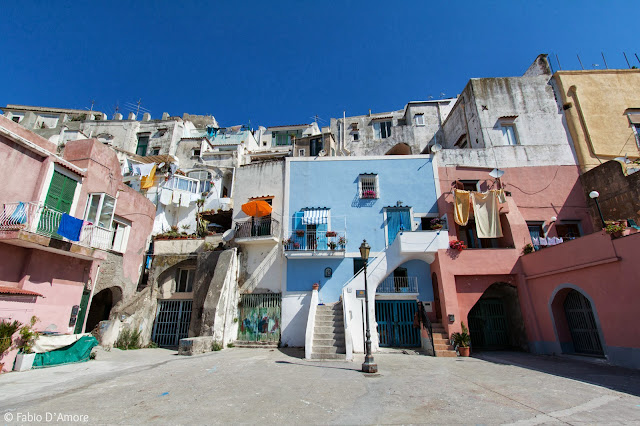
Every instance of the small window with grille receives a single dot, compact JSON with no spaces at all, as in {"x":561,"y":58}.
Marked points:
{"x":368,"y":186}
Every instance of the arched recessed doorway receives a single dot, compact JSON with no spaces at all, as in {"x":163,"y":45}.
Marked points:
{"x":101,"y":305}
{"x":576,"y":323}
{"x":399,"y":149}
{"x":495,"y":321}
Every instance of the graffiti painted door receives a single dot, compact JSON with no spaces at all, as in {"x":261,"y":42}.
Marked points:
{"x":172,"y":322}
{"x":395,"y":323}
{"x":259,"y":317}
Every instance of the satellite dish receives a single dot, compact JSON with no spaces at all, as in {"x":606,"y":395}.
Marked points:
{"x":228,"y":235}
{"x":436,"y":148}
{"x":496,"y":173}
{"x":322,"y":153}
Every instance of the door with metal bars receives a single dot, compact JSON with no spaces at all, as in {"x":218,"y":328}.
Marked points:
{"x":259,"y":316}
{"x":172,"y":322}
{"x":395,"y":323}
{"x":488,"y":325}
{"x":582,"y":324}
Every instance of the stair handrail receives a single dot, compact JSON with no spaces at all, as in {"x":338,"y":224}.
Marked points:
{"x":425,"y":320}
{"x":311,"y":324}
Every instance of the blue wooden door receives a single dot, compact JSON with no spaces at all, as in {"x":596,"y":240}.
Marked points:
{"x":395,"y":323}
{"x":397,"y":219}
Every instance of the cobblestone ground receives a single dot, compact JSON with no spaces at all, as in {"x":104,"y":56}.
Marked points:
{"x":272,"y":386}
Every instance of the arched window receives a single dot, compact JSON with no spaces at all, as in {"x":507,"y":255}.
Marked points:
{"x":204,"y":177}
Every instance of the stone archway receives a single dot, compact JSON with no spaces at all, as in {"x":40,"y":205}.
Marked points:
{"x":495,"y":321}
{"x":399,"y":149}
{"x":101,"y":305}
{"x":576,"y":322}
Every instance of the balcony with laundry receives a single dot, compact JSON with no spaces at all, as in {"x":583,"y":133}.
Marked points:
{"x":316,"y":233}
{"x":34,"y":225}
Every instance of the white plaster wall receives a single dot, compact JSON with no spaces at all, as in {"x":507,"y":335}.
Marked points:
{"x":264,"y":264}
{"x":294,"y":314}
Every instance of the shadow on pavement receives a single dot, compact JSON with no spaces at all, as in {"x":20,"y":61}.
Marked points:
{"x":312,"y":364}
{"x":616,"y":378}
{"x":293,"y":352}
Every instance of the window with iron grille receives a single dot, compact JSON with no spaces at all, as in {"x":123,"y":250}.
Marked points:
{"x":368,"y":186}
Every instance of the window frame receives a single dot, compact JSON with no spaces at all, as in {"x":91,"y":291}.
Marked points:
{"x":121,"y":227}
{"x":204,"y":185}
{"x":188,"y":285}
{"x":96,"y":219}
{"x":193,"y":184}
{"x":301,"y":152}
{"x":364,"y":186}
{"x":146,"y":146}
{"x":378,"y":127}
{"x":505,"y":139}
{"x":636,"y":131}
{"x":419,"y":120}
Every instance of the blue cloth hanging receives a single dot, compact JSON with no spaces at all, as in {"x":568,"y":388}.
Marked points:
{"x":70,"y":227}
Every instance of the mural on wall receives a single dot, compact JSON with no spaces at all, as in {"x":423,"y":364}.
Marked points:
{"x":259,"y":316}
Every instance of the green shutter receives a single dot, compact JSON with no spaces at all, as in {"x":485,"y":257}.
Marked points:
{"x":59,"y":197}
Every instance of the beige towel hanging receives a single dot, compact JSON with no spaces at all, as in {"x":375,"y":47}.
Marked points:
{"x":487,"y":214}
{"x":461,"y":205}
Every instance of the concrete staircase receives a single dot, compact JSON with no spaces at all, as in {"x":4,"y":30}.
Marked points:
{"x":441,"y":341}
{"x":328,"y":334}
{"x":260,"y":345}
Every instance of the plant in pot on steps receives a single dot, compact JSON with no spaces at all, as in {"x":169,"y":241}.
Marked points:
{"x":28,"y":336}
{"x":7,"y":330}
{"x":462,"y":341}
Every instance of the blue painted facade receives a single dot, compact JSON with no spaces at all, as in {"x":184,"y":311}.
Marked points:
{"x":332,"y":183}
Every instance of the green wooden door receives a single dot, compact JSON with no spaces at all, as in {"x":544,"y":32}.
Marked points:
{"x":84,"y":302}
{"x":59,"y":198}
{"x":488,"y":325}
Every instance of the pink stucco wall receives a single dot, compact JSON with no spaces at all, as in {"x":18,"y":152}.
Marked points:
{"x":22,"y":181}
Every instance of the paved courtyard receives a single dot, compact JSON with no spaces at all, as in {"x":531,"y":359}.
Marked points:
{"x":272,"y":386}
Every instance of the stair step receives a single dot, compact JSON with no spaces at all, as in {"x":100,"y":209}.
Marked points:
{"x":328,"y":356}
{"x":440,"y":341}
{"x":328,"y":342}
{"x":328,"y":349}
{"x":338,"y":336}
{"x":264,"y":345}
{"x":332,"y":323}
{"x":450,"y":354}
{"x":438,"y":347}
{"x":328,"y":329}
{"x":440,"y":336}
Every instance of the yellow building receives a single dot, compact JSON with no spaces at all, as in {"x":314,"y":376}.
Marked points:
{"x":602,"y":108}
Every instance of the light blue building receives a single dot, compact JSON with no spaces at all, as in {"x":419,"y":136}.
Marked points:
{"x":331,"y":205}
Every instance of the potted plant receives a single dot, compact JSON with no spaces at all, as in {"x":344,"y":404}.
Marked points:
{"x":457,"y":245}
{"x":528,"y":249}
{"x":300,"y":233}
{"x":28,"y":336}
{"x":369,"y":194}
{"x":615,"y":228}
{"x":342,"y":241}
{"x":316,"y":286}
{"x":7,"y":330}
{"x":296,"y":245}
{"x":332,"y":245}
{"x":462,"y":341}
{"x":331,"y":234}
{"x":436,"y":223}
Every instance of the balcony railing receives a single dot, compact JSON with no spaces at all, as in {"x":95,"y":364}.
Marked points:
{"x":39,"y":219}
{"x":263,"y":227}
{"x":398,"y":285}
{"x":302,"y":240}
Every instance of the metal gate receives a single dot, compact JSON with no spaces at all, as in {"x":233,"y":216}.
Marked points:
{"x":582,"y":324}
{"x":259,"y":316}
{"x":172,"y":322}
{"x":488,"y":325}
{"x":395,"y":323}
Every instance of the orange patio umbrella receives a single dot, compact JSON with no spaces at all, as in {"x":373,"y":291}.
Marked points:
{"x":257,"y":208}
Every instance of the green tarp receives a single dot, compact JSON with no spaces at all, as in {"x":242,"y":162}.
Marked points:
{"x":77,"y":352}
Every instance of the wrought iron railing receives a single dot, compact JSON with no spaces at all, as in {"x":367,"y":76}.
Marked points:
{"x":398,"y":285}
{"x":424,"y":319}
{"x":42,"y":220}
{"x":263,"y":227}
{"x":303,"y":240}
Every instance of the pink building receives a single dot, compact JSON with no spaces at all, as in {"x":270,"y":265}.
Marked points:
{"x":52,"y":277}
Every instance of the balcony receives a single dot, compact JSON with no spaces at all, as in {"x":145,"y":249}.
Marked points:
{"x":303,"y":243}
{"x":256,"y":231}
{"x":33,"y":224}
{"x":398,"y":285}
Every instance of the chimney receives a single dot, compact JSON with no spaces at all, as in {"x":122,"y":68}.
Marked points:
{"x":165,"y":115}
{"x":117,"y":116}
{"x":132,"y":116}
{"x":146,"y":116}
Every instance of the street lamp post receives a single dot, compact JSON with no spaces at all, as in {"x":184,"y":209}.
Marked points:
{"x":368,"y":366}
{"x":594,"y":196}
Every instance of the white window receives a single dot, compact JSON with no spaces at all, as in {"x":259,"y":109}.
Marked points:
{"x":184,"y":280}
{"x":204,"y":177}
{"x":301,"y":153}
{"x":419,"y":118}
{"x":368,"y":186}
{"x":155,"y":151}
{"x":121,"y":229}
{"x":381,"y":129}
{"x":195,"y":152}
{"x":100,"y":209}
{"x":183,"y":184}
{"x":356,"y":136}
{"x":509,"y":134}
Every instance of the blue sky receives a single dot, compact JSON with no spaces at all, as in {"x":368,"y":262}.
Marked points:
{"x":281,"y":62}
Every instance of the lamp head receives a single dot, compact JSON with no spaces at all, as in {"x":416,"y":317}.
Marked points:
{"x":436,"y":148}
{"x":553,"y":219}
{"x":364,"y":250}
{"x":594,"y":194}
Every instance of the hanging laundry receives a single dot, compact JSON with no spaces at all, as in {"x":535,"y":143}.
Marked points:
{"x":502,"y":198}
{"x":172,"y":168}
{"x":535,"y":241}
{"x":70,"y":227}
{"x":487,"y":214}
{"x":147,"y":181}
{"x":543,"y":242}
{"x":175,"y":199}
{"x":185,"y":199}
{"x":461,"y":201}
{"x":165,"y":196}
{"x":143,"y":169}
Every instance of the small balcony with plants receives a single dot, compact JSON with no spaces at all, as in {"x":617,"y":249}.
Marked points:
{"x":306,"y":243}
{"x":257,"y":230}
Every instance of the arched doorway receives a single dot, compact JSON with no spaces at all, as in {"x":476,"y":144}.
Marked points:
{"x":582,"y":324}
{"x":101,"y":305}
{"x":399,"y":149}
{"x":495,"y":321}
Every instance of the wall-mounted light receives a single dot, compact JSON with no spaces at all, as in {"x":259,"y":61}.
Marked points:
{"x":553,"y":219}
{"x":594,"y":196}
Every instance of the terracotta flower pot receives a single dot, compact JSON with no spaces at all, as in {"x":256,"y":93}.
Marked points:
{"x":316,"y":286}
{"x":466,"y":351}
